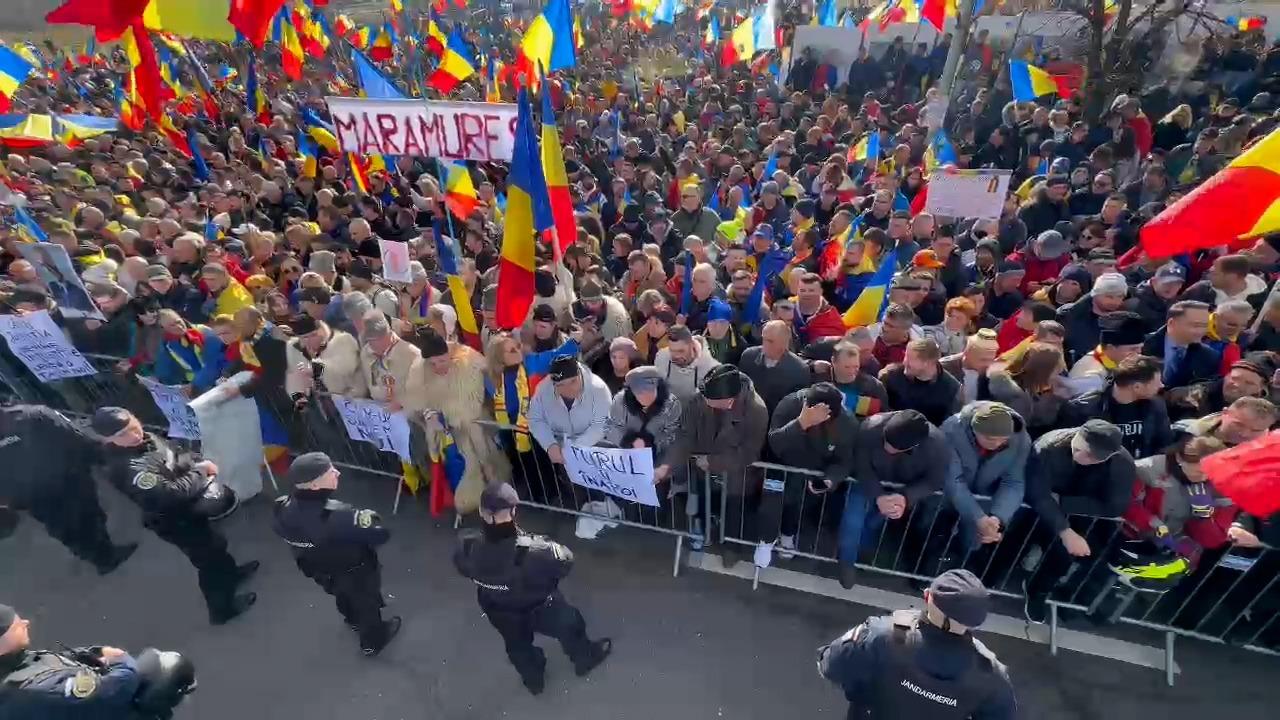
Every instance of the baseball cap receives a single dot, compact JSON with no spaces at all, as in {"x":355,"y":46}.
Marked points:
{"x":308,"y":467}
{"x":961,"y":596}
{"x":1100,"y":438}
{"x":564,"y":367}
{"x":544,"y":313}
{"x":905,"y":429}
{"x":108,"y":421}
{"x":927,"y":259}
{"x":498,"y":497}
{"x":1170,"y":272}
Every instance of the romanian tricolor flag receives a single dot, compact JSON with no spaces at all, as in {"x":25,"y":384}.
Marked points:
{"x":459,"y":192}
{"x":447,"y":468}
{"x":436,"y":39}
{"x":130,"y":116}
{"x":940,"y":152}
{"x":548,"y":43}
{"x":14,"y":70}
{"x":936,"y":12}
{"x":360,"y":38}
{"x":1247,"y":23}
{"x":319,"y":130}
{"x":492,"y":72}
{"x":27,"y":226}
{"x":742,"y":43}
{"x":71,"y":130}
{"x":309,"y":153}
{"x":528,"y":214}
{"x":1249,"y":186}
{"x":1030,"y":82}
{"x":251,"y":17}
{"x":712,"y":36}
{"x":456,"y":65}
{"x":176,"y":137}
{"x":290,"y":49}
{"x":869,"y":306}
{"x":557,"y":179}
{"x":446,"y":252}
{"x":866,"y":150}
{"x":146,"y":69}
{"x":342,"y":25}
{"x":254,"y":97}
{"x":26,"y":131}
{"x":382,"y":49}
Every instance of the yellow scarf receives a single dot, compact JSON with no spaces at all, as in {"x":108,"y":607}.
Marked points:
{"x":1213,"y":334}
{"x":523,"y":442}
{"x":1107,"y":363}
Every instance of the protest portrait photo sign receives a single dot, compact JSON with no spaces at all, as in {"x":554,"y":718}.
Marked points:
{"x":395,"y":261}
{"x":422,"y":128}
{"x":625,"y":473}
{"x":967,"y":193}
{"x":372,"y":422}
{"x":39,"y":343}
{"x":58,"y":275}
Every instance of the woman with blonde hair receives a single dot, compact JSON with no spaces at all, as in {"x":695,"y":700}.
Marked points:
{"x":508,"y":385}
{"x":1028,"y":385}
{"x":1173,"y":129}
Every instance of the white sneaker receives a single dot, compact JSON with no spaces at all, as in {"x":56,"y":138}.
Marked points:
{"x":764,"y":555}
{"x":787,"y":544}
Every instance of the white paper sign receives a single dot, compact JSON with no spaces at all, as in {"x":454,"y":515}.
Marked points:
{"x":231,"y":436}
{"x":370,"y":421}
{"x":173,"y":405}
{"x":395,"y":261}
{"x":421,"y":128}
{"x":626,"y":473}
{"x":967,"y":193}
{"x":38,"y":342}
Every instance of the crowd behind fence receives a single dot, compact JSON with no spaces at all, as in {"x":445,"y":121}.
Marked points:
{"x":1230,"y":596}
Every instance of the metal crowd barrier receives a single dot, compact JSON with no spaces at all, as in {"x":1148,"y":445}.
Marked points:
{"x":1230,"y":596}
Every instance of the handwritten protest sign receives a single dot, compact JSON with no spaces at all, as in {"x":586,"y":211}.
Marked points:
{"x":41,"y":346}
{"x":967,"y":193}
{"x":395,"y":261}
{"x":369,"y":421}
{"x":451,"y":130}
{"x":173,"y":405}
{"x":626,"y":473}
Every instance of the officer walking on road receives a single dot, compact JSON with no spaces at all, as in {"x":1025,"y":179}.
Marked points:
{"x":36,"y":684}
{"x":923,"y":664}
{"x":516,"y":577}
{"x":336,"y":545}
{"x":46,"y":461}
{"x":179,"y":496}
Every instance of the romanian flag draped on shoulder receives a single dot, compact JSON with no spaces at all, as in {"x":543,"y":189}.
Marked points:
{"x":1249,"y":186}
{"x":528,"y":214}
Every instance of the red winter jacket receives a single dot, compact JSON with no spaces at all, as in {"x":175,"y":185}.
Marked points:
{"x":827,"y":322}
{"x":1041,"y":271}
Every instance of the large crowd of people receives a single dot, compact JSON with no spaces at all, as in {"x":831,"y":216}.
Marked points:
{"x":1038,"y":365}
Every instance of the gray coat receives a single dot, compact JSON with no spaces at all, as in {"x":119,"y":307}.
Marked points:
{"x":731,"y":439}
{"x":551,"y":423}
{"x":1000,"y":476}
{"x":663,"y":425}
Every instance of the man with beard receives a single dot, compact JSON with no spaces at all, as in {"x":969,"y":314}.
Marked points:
{"x":1248,"y":418}
{"x":1130,"y":400}
{"x":919,"y":383}
{"x":1250,"y":376}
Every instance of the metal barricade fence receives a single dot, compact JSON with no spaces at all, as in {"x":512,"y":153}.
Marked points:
{"x":545,"y":485}
{"x":1229,"y":596}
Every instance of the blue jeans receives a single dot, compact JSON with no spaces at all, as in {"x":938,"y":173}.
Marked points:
{"x":861,"y":520}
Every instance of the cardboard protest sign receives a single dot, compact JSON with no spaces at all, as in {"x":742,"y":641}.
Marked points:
{"x":370,"y":421}
{"x":172,"y":403}
{"x":38,"y":342}
{"x":625,"y":473}
{"x":967,"y":193}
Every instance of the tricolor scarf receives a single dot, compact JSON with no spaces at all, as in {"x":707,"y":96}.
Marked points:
{"x":1214,"y":334}
{"x":1107,"y":363}
{"x":247,"y":355}
{"x":502,"y":413}
{"x":186,"y":349}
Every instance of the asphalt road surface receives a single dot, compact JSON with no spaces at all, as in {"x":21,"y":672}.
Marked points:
{"x":693,"y":647}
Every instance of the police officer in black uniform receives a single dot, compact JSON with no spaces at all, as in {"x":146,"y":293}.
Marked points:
{"x":45,"y":461}
{"x":923,"y":664}
{"x":516,"y":577}
{"x":94,"y":684}
{"x":336,"y":545}
{"x":179,"y":495}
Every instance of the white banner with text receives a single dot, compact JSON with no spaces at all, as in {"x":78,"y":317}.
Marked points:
{"x":423,"y":128}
